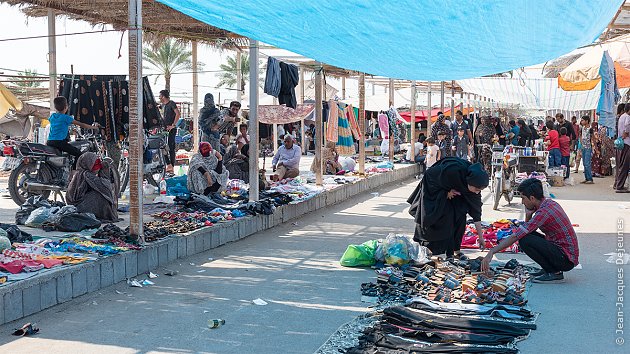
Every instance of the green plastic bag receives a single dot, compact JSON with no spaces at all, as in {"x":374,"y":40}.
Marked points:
{"x":359,"y":255}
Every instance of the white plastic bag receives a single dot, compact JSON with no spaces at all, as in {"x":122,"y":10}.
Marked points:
{"x":38,"y":217}
{"x":401,"y":249}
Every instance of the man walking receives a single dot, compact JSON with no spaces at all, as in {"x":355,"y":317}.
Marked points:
{"x":561,"y":122}
{"x":623,"y":155}
{"x":171,"y":116}
{"x":460,"y":122}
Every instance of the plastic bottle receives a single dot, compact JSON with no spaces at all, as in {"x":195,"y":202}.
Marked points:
{"x":181,"y":171}
{"x":162,"y":187}
{"x":215,"y":323}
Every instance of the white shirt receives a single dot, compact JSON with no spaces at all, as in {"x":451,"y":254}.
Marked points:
{"x":624,"y":126}
{"x":280,"y":131}
{"x":432,"y":155}
{"x":417,"y":149}
{"x":243,"y":139}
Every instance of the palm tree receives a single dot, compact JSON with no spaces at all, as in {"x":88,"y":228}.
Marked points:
{"x":228,"y":74}
{"x":168,"y":58}
{"x":27,"y":78}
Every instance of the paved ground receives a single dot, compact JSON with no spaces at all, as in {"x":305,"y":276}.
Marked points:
{"x":294,"y":267}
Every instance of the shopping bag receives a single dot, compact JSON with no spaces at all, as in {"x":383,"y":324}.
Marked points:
{"x":359,"y":255}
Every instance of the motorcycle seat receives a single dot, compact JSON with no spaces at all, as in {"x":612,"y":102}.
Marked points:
{"x":39,"y":149}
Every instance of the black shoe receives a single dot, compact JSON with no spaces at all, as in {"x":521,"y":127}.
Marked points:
{"x":550,"y":278}
{"x":538,"y":273}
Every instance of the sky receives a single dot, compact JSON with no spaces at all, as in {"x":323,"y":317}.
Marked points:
{"x":102,"y":54}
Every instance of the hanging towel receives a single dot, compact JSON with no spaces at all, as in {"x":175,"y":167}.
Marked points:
{"x":333,"y":122}
{"x":354,"y":124}
{"x":272,"y":80}
{"x":345,"y":143}
{"x":383,"y":125}
{"x":289,"y":78}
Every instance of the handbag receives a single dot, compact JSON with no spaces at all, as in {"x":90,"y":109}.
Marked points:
{"x":619,"y":143}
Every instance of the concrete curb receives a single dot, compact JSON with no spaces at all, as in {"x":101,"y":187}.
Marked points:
{"x":29,"y":296}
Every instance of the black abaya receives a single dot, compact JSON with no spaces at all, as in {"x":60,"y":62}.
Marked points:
{"x":441,"y":222}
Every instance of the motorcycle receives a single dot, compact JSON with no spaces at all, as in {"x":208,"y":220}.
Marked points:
{"x":154,"y":158}
{"x":44,"y":169}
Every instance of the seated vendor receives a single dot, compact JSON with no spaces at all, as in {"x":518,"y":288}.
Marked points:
{"x":286,"y":162}
{"x":418,"y":152}
{"x":206,"y":174}
{"x":92,"y":188}
{"x":331,"y":160}
{"x":238,"y":165}
{"x":555,"y":249}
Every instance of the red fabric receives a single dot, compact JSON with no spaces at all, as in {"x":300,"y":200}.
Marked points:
{"x":12,"y":267}
{"x":554,"y":223}
{"x":552,"y":138}
{"x":565,"y":145}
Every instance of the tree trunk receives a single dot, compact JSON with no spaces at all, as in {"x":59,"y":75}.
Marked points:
{"x":167,"y":85}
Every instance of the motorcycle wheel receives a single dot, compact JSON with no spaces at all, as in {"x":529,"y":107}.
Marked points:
{"x":25,"y":173}
{"x":498,"y":191}
{"x":155,"y":178}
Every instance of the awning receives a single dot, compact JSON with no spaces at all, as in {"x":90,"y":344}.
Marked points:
{"x":411,"y":39}
{"x":8,"y":101}
{"x":421,"y":115}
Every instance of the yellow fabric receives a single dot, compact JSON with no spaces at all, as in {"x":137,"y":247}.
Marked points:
{"x":577,"y":86}
{"x":8,"y":101}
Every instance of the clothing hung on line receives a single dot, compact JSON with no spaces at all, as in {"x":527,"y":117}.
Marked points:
{"x":273,"y":78}
{"x":383,"y":125}
{"x":290,"y":77}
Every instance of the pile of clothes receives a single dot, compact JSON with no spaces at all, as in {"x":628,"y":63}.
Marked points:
{"x":444,"y":306}
{"x":52,"y":215}
{"x":296,"y":189}
{"x":493,"y":233}
{"x":521,"y":176}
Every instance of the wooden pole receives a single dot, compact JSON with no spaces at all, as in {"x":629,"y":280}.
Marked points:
{"x":452,"y":102}
{"x":361,"y":119}
{"x":302,"y":129}
{"x":343,"y":87}
{"x":52,"y":59}
{"x":412,"y":110}
{"x":429,"y":123}
{"x":252,"y":129}
{"x":276,"y":137}
{"x":136,"y":136}
{"x":239,"y":76}
{"x":442,"y":88}
{"x":195,"y":100}
{"x":319,"y":124}
{"x":391,"y":129}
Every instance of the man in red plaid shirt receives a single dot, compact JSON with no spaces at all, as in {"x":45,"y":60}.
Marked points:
{"x":556,"y":249}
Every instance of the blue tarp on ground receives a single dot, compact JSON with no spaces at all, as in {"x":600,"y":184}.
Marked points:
{"x":414,"y":39}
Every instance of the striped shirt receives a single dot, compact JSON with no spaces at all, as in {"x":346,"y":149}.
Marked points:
{"x":552,"y":221}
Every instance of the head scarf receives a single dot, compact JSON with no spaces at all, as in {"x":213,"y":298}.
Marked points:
{"x":441,"y":127}
{"x":477,"y":176}
{"x":485,"y":131}
{"x":197,"y":182}
{"x":205,"y":149}
{"x":84,"y":180}
{"x":209,"y":114}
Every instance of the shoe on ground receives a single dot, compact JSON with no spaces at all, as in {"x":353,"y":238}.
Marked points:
{"x":538,"y":273}
{"x":622,"y":191}
{"x":549,"y":278}
{"x":587,"y":182}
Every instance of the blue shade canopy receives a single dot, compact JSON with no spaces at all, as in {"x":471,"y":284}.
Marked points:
{"x":414,"y":39}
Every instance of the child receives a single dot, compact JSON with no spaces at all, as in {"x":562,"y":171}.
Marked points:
{"x":460,"y":144}
{"x":59,"y":124}
{"x":553,"y":146}
{"x":433,"y":153}
{"x":441,"y":143}
{"x":565,"y":150}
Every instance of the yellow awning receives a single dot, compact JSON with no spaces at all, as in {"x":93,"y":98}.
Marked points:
{"x":8,"y":101}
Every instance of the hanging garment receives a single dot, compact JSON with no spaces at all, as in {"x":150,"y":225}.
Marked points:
{"x":290,"y":77}
{"x":383,"y":125}
{"x":345,"y":143}
{"x":332,"y":132}
{"x":392,"y":118}
{"x":354,"y":124}
{"x":273,"y":78}
{"x":279,"y":114}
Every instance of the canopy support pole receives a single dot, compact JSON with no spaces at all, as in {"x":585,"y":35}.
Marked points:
{"x":52,"y":59}
{"x":442,"y":88}
{"x":319,"y":125}
{"x":195,"y":100}
{"x":362,"y":123}
{"x":239,"y":76}
{"x":136,"y":132}
{"x":276,"y":137}
{"x":452,"y":101}
{"x":303,"y":138}
{"x":412,"y":110}
{"x":391,"y":129}
{"x":252,"y":128}
{"x":343,"y":88}
{"x":429,"y":108}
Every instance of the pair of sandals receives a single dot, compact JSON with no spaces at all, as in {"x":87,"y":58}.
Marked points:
{"x":26,"y":330}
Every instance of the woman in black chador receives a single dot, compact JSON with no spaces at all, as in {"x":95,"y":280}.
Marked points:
{"x":449,"y":190}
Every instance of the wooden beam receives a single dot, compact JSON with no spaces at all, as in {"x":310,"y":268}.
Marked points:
{"x":319,"y":126}
{"x":252,"y":129}
{"x":361,"y":119}
{"x":391,"y":129}
{"x":136,"y":133}
{"x":412,"y":111}
{"x":195,"y":100}
{"x":52,"y":59}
